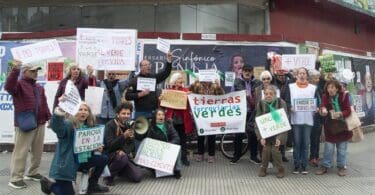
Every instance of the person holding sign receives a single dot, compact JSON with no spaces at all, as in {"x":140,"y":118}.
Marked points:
{"x":164,"y":131}
{"x":181,"y":119}
{"x":146,"y":100}
{"x":119,"y":145}
{"x":66,"y":163}
{"x":76,"y":76}
{"x":271,"y":145}
{"x":302,"y":121}
{"x":335,"y":107}
{"x":28,"y":98}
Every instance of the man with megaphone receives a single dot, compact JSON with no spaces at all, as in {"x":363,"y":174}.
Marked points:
{"x":119,"y":144}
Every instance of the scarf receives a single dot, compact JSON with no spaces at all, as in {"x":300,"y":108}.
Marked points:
{"x":161,"y":126}
{"x":302,"y":84}
{"x":275,"y":115}
{"x":335,"y":103}
{"x":112,"y":97}
{"x":119,"y":126}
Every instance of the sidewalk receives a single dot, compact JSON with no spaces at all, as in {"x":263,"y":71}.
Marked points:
{"x":223,"y":178}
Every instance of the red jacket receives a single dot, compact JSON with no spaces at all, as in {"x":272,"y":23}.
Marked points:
{"x":184,"y":114}
{"x":24,"y":99}
{"x":345,"y":109}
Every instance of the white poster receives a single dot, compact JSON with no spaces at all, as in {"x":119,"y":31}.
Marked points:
{"x":290,"y":61}
{"x":305,"y":105}
{"x":358,"y":105}
{"x":106,"y":49}
{"x":144,"y":83}
{"x":229,"y":79}
{"x":88,"y":139}
{"x":219,"y":114}
{"x":72,"y":100}
{"x":6,"y":116}
{"x":269,"y":127}
{"x":95,"y":99}
{"x":209,"y":75}
{"x":157,"y":155}
{"x":36,"y":52}
{"x":163,"y":45}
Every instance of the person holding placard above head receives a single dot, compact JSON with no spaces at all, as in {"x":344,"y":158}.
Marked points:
{"x":335,"y":108}
{"x":271,"y":145}
{"x":162,"y":130}
{"x":119,"y":145}
{"x":74,"y":74}
{"x":302,"y":118}
{"x":66,"y":163}
{"x":247,"y":82}
{"x":28,"y":100}
{"x":181,"y":119}
{"x":142,"y":88}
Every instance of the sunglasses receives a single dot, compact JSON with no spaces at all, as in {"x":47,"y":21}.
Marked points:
{"x":266,"y":79}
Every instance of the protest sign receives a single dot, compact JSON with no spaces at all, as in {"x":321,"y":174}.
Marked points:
{"x":144,"y":83}
{"x":36,"y":52}
{"x":219,"y":114}
{"x":269,"y":127}
{"x":358,"y":105}
{"x":229,"y":79}
{"x":157,"y":154}
{"x":72,"y":100}
{"x":55,"y":71}
{"x":95,"y":99}
{"x":106,"y":49}
{"x":88,"y":139}
{"x":174,"y":99}
{"x":163,"y":45}
{"x":305,"y":105}
{"x":291,"y":62}
{"x":209,"y":75}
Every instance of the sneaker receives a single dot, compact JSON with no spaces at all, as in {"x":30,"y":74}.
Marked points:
{"x":211,"y":159}
{"x":234,"y":161}
{"x":322,"y":170}
{"x":97,"y":188}
{"x":17,"y":184}
{"x":177,"y":174}
{"x":199,"y":158}
{"x":255,"y":160}
{"x":341,"y":172}
{"x":186,"y":162}
{"x":304,"y":171}
{"x":45,"y":185}
{"x":296,"y":170}
{"x":36,"y":177}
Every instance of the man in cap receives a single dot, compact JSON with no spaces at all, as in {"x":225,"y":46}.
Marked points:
{"x":27,"y":96}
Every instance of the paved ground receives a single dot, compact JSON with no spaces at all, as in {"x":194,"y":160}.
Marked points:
{"x":223,"y":178}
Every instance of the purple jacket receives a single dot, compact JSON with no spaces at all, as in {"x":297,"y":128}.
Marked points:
{"x":24,"y":98}
{"x":81,"y":84}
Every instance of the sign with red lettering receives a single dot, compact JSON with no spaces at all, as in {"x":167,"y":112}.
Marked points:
{"x":55,"y":71}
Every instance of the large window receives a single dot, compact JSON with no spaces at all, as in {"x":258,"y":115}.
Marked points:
{"x":195,"y":18}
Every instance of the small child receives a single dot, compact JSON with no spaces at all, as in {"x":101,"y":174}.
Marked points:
{"x":271,"y":144}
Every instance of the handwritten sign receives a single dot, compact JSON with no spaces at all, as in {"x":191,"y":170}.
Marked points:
{"x":88,"y":139}
{"x":174,"y":99}
{"x":209,"y":75}
{"x":144,"y":83}
{"x":157,"y":154}
{"x":106,"y":49}
{"x":55,"y":71}
{"x":72,"y":99}
{"x":269,"y":127}
{"x":305,"y":105}
{"x":95,"y":99}
{"x":163,"y":45}
{"x":219,"y":114}
{"x":36,"y":52}
{"x":290,"y":62}
{"x":229,"y":79}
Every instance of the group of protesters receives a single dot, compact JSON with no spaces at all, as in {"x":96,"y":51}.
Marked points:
{"x":275,"y":89}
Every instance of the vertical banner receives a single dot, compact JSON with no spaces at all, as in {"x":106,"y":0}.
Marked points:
{"x":219,"y":114}
{"x":55,"y":71}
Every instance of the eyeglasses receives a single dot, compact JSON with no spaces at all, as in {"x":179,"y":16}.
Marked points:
{"x":266,"y":79}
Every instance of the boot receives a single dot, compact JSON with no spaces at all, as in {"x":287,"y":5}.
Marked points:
{"x":281,"y":173}
{"x":321,"y":171}
{"x":262,"y":171}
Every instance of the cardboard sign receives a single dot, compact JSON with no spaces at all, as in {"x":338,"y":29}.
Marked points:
{"x":229,"y":79}
{"x":144,"y":83}
{"x":268,"y":127}
{"x":291,"y":62}
{"x":72,"y":99}
{"x":106,"y":49}
{"x":36,"y":52}
{"x":55,"y":71}
{"x":157,"y":154}
{"x":163,"y":45}
{"x":219,"y":114}
{"x":95,"y":99}
{"x":209,"y":75}
{"x":88,"y":139}
{"x":174,"y":99}
{"x":305,"y":105}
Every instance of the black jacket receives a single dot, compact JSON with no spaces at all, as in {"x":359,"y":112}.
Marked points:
{"x":171,"y":135}
{"x":113,"y":142}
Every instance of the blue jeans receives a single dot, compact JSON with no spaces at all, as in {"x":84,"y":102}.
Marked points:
{"x":301,"y":145}
{"x":329,"y":149}
{"x":315,"y":137}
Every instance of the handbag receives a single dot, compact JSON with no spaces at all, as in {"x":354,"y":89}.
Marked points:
{"x":357,"y":135}
{"x":26,"y":120}
{"x":352,"y":121}
{"x":335,"y":126}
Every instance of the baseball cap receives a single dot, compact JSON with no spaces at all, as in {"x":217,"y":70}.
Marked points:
{"x":26,"y":67}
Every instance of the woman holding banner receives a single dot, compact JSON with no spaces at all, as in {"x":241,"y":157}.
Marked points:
{"x":302,"y":120}
{"x":66,"y":163}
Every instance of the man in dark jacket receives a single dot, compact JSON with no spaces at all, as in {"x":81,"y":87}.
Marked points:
{"x":27,"y":95}
{"x":146,"y":101}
